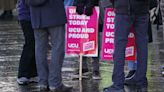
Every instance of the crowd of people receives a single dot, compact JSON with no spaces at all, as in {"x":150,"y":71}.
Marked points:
{"x":41,"y":25}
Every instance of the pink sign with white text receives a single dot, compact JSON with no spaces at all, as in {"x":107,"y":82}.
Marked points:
{"x":81,"y":32}
{"x":108,"y":39}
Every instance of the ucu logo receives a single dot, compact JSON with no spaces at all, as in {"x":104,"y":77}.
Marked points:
{"x":73,"y":45}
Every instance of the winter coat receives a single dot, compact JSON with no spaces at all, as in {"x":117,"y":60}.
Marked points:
{"x":23,"y":10}
{"x":131,"y":6}
{"x":50,"y":14}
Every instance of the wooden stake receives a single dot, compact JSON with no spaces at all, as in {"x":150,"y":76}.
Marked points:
{"x":80,"y":67}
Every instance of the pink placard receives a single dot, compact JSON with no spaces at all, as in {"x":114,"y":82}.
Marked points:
{"x":81,"y":32}
{"x":108,"y":39}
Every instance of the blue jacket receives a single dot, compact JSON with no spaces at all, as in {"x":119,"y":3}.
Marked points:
{"x":23,"y":10}
{"x":50,"y":14}
{"x":68,"y":2}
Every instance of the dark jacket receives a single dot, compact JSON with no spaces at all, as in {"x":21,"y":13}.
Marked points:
{"x":131,"y":6}
{"x":23,"y":10}
{"x":48,"y":15}
{"x":152,"y":4}
{"x":86,"y":2}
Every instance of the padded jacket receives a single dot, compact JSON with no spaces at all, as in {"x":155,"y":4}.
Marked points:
{"x":131,"y":6}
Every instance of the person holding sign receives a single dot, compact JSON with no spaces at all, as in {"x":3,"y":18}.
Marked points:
{"x":86,"y":7}
{"x":130,"y":13}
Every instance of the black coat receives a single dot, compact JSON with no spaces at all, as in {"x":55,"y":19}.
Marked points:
{"x":152,"y":4}
{"x":86,"y":2}
{"x":131,"y":6}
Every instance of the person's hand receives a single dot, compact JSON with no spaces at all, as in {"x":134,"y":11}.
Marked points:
{"x":89,"y":7}
{"x":80,"y":8}
{"x":89,"y":10}
{"x":80,"y":4}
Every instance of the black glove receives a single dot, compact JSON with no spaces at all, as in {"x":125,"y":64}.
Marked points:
{"x":89,"y":10}
{"x":89,"y":7}
{"x":80,"y":6}
{"x":80,"y":9}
